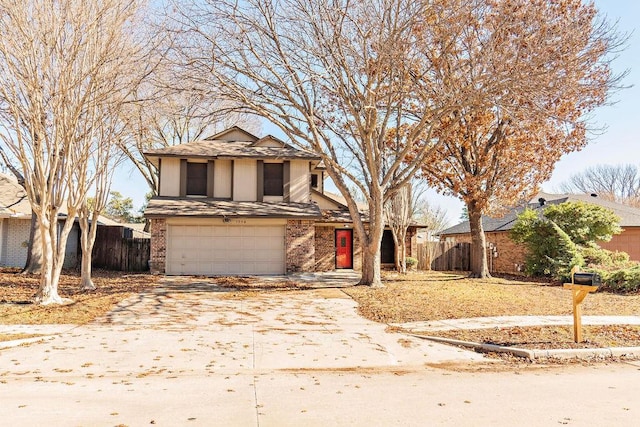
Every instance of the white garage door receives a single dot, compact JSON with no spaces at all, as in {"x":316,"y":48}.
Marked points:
{"x":225,"y":249}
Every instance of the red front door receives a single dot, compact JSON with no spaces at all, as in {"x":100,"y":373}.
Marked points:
{"x":344,"y":248}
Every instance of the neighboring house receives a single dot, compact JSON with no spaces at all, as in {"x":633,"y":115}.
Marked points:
{"x":506,"y":256}
{"x":15,"y":227}
{"x":235,"y":203}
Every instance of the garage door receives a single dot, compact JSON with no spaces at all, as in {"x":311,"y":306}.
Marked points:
{"x":225,"y":249}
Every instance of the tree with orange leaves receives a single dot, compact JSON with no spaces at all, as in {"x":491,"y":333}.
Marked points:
{"x":534,"y":69}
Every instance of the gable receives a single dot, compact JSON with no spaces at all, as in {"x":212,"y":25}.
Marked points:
{"x":269,"y":141}
{"x":233,"y":134}
{"x":325,"y":202}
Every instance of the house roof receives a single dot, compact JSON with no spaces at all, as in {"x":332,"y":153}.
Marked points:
{"x":629,"y":216}
{"x":200,"y":207}
{"x":330,"y":198}
{"x":13,"y":198}
{"x":218,"y":148}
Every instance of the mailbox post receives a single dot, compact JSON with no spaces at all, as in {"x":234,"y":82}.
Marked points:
{"x":581,"y":285}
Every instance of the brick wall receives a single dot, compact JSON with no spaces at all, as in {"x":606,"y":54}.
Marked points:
{"x":158,"y":246}
{"x":300,"y":246}
{"x":357,"y":250}
{"x":325,"y":248}
{"x":628,"y":241}
{"x":510,"y":255}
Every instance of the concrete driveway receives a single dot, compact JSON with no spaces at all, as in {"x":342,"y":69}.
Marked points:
{"x":189,"y":353}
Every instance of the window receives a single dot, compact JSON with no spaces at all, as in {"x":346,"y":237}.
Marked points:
{"x":314,"y":181}
{"x":273,"y":179}
{"x":196,"y":179}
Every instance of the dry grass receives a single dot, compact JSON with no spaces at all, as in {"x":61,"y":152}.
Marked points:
{"x":439,"y":295}
{"x":17,"y":291}
{"x":551,"y":337}
{"x":422,"y":296}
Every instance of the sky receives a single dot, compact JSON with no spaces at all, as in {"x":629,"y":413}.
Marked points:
{"x":619,"y":143}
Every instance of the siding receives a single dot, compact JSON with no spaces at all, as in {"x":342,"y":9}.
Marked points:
{"x":170,"y":177}
{"x":245,"y":180}
{"x":15,"y":239}
{"x":299,"y":182}
{"x":222,"y":179}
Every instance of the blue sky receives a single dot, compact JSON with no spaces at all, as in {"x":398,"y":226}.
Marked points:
{"x":619,"y":143}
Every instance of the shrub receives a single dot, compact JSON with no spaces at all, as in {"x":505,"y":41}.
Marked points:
{"x":410,"y":262}
{"x":602,"y":258}
{"x":622,"y":279}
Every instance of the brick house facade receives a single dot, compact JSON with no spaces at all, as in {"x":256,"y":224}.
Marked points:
{"x":238,"y":204}
{"x":506,"y":256}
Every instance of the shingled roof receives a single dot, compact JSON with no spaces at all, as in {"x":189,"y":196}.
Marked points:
{"x":629,"y":216}
{"x":13,"y":198}
{"x":220,"y":147}
{"x":174,"y":206}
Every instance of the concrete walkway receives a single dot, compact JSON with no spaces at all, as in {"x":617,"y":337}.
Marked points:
{"x":512,"y":321}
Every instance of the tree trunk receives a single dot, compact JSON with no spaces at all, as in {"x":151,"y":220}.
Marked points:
{"x":48,"y":292}
{"x":371,"y":267}
{"x":479,"y":268}
{"x":33,"y":264}
{"x":53,"y":254}
{"x":87,"y":240}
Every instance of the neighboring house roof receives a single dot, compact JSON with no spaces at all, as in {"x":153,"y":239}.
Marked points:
{"x":329,"y":198}
{"x":629,"y":216}
{"x":13,"y":198}
{"x":174,"y":206}
{"x":362,"y":206}
{"x":250,"y":147}
{"x":15,"y":204}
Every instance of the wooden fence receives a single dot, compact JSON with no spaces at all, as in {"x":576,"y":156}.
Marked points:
{"x":113,"y":251}
{"x":444,"y":256}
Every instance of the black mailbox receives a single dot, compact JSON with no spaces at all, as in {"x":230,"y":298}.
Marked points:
{"x":587,"y":279}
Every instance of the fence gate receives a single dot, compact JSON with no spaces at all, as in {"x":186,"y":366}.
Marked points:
{"x":444,"y":256}
{"x":113,"y":251}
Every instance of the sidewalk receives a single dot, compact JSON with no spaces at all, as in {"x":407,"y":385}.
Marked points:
{"x":512,"y":321}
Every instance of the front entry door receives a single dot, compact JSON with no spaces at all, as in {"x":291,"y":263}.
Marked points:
{"x":344,"y":248}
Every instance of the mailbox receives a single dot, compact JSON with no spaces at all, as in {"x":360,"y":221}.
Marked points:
{"x":586,"y":279}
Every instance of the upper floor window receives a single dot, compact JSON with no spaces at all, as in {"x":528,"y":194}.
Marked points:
{"x":196,"y":179}
{"x":314,"y":181}
{"x":273,"y":179}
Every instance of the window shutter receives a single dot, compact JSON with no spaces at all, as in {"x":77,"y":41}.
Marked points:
{"x":210,"y":178}
{"x":260,"y":181}
{"x":285,"y":179}
{"x":183,"y":177}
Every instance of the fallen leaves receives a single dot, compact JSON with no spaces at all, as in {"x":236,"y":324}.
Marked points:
{"x":17,"y":291}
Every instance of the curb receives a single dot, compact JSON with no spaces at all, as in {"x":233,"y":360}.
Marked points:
{"x":581,"y":353}
{"x":15,"y":343}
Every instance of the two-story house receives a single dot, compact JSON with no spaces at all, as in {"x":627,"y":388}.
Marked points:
{"x":238,"y":204}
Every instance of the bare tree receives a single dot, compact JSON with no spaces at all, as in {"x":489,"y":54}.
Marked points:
{"x":618,"y":183}
{"x":335,"y":76}
{"x":398,"y":211}
{"x":170,"y":111}
{"x":63,"y":62}
{"x":94,"y":173}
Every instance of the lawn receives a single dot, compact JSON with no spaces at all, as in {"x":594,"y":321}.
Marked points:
{"x":422,"y":296}
{"x":417,"y":296}
{"x":442,"y":295}
{"x":17,"y":291}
